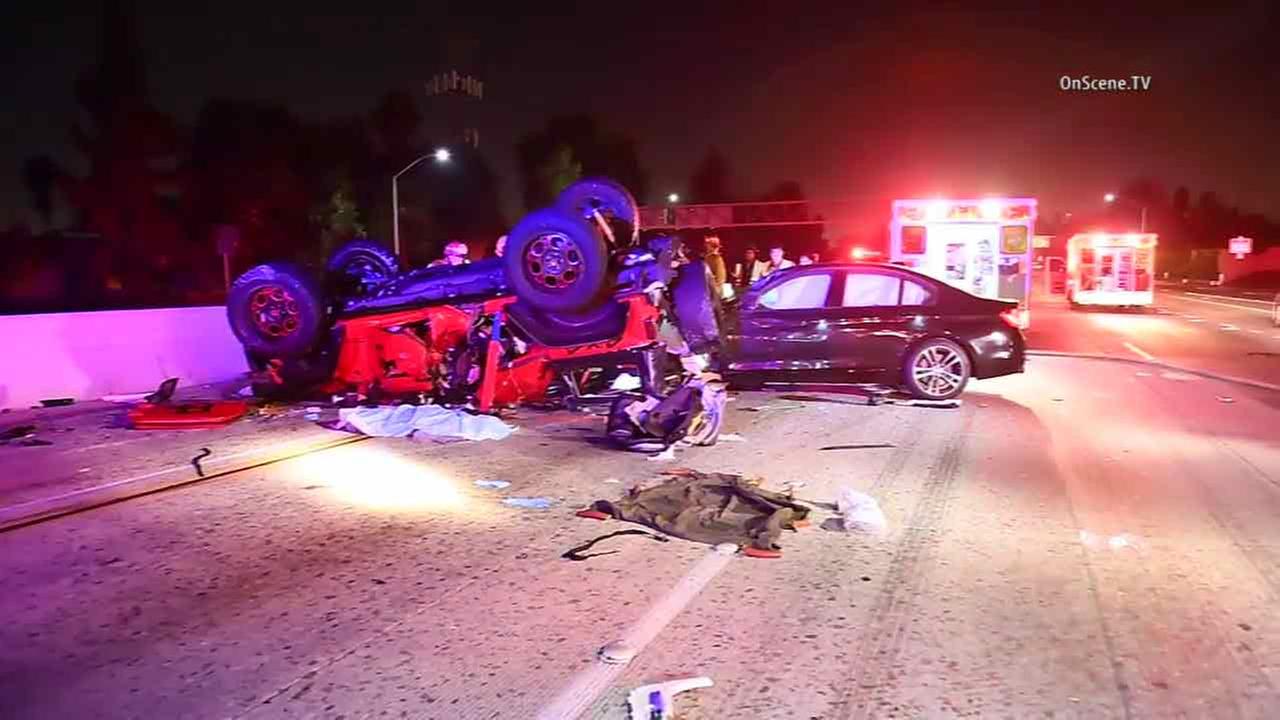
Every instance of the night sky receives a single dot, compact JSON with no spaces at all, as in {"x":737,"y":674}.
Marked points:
{"x":858,"y":104}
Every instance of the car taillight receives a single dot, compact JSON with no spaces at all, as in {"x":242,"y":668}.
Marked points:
{"x":1016,"y":318}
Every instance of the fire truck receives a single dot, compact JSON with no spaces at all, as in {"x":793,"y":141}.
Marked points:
{"x":1111,"y":269}
{"x":982,"y":246}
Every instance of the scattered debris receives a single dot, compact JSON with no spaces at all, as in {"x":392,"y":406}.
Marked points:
{"x":711,"y":508}
{"x":668,"y":454}
{"x":16,"y":432}
{"x":1225,"y":399}
{"x":575,"y":553}
{"x":427,"y":420}
{"x":1143,"y":373}
{"x":692,"y":414}
{"x":57,"y":402}
{"x":125,"y":398}
{"x":536,"y":503}
{"x":732,"y":437}
{"x":314,"y":409}
{"x":186,"y":416}
{"x":1058,"y":399}
{"x":33,"y":442}
{"x":868,"y":446}
{"x":244,"y":392}
{"x":613,"y":480}
{"x":861,"y":512}
{"x":1244,"y":626}
{"x":195,"y":461}
{"x":493,"y":484}
{"x":657,"y":701}
{"x":164,"y":393}
{"x":626,"y":382}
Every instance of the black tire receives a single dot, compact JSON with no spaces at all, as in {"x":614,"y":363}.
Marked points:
{"x":276,"y":311}
{"x":696,"y":307}
{"x":938,"y":353}
{"x":577,"y":278}
{"x":360,"y":266}
{"x":613,"y":200}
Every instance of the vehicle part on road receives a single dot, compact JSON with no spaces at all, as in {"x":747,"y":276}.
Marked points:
{"x":1225,"y":399}
{"x":860,"y":512}
{"x":360,"y":267}
{"x":195,"y":415}
{"x":584,"y":198}
{"x":16,"y":432}
{"x":937,"y":369}
{"x":492,"y":484}
{"x":711,"y":508}
{"x":869,"y":446}
{"x":276,"y":311}
{"x":556,"y":261}
{"x":534,"y":503}
{"x":657,"y":701}
{"x":693,"y":413}
{"x":696,"y":305}
{"x":575,"y":553}
{"x":57,"y":402}
{"x":195,"y":461}
{"x":163,"y":393}
{"x":732,"y":437}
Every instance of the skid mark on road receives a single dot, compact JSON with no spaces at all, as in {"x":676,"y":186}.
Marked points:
{"x":889,"y":618}
{"x":1139,"y":351}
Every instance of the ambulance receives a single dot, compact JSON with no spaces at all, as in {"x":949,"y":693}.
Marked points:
{"x":982,"y":246}
{"x":1111,"y":269}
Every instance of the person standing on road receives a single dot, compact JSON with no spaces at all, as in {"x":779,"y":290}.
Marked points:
{"x":806,"y":259}
{"x":777,"y":261}
{"x":750,"y":269}
{"x":455,"y":253}
{"x":715,"y":261}
{"x":501,"y":246}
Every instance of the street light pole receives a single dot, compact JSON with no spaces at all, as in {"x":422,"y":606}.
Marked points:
{"x":1143,"y":227}
{"x":441,"y":155}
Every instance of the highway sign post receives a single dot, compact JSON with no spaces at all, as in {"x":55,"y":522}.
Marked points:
{"x":1240,"y":246}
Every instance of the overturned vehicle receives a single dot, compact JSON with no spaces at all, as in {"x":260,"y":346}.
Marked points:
{"x":575,"y":290}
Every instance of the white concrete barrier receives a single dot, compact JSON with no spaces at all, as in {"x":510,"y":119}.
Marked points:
{"x":90,"y":354}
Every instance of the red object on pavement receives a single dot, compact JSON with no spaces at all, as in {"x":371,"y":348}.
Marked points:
{"x":592,"y":514}
{"x":755,"y":552}
{"x":186,"y":415}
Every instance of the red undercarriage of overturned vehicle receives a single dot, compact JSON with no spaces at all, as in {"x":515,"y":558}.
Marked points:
{"x":405,"y":353}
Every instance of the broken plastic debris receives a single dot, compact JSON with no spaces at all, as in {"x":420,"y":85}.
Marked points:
{"x":1143,"y":373}
{"x":58,"y":402}
{"x":125,"y":397}
{"x":732,"y":437}
{"x":1225,"y":399}
{"x":493,"y":484}
{"x":861,"y":512}
{"x":668,"y":454}
{"x":536,"y":503}
{"x":613,"y":480}
{"x":626,"y":381}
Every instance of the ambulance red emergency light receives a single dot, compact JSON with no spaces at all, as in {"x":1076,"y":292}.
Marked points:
{"x":1111,"y":269}
{"x":982,"y":246}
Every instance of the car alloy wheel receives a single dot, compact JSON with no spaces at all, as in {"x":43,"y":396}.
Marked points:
{"x":939,"y":371}
{"x":553,"y":261}
{"x":274,"y":311}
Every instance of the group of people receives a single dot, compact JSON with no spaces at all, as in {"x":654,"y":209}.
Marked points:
{"x":457,"y":253}
{"x":752,"y":268}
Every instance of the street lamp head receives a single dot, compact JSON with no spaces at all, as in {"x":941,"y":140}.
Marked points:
{"x":442,"y":155}
{"x":673,"y":198}
{"x":1109,"y":197}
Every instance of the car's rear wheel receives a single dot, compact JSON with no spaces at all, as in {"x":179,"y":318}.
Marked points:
{"x":556,"y":262}
{"x":276,"y":311}
{"x":696,"y":305}
{"x":360,"y":266}
{"x":937,"y":369}
{"x":584,"y":197}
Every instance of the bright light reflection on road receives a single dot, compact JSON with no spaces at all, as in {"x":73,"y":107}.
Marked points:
{"x":1138,"y":324}
{"x":375,"y":477}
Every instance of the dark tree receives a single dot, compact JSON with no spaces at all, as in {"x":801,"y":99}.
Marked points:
{"x":576,"y":145}
{"x":39,"y":174}
{"x":710,"y":182}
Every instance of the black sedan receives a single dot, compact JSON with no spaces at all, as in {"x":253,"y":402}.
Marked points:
{"x":873,"y":324}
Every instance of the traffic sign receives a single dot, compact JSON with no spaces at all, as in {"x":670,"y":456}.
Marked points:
{"x":1240,"y":246}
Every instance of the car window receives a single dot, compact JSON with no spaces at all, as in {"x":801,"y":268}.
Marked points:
{"x":803,"y":293}
{"x":914,"y":293}
{"x":871,"y":290}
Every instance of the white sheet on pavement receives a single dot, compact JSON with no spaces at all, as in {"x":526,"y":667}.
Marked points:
{"x":433,"y":420}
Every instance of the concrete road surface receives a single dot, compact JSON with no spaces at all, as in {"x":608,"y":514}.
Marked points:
{"x":1090,"y":539}
{"x":1236,"y":337}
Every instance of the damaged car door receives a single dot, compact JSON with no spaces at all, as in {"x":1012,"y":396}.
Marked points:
{"x":784,"y":324}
